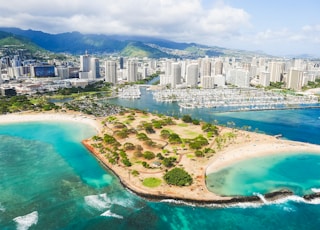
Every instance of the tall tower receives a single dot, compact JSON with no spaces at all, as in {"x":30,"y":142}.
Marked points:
{"x":168,"y":68}
{"x":206,"y":67}
{"x":111,"y":72}
{"x":192,"y":75}
{"x":121,"y":62}
{"x":85,"y":63}
{"x":94,"y":68}
{"x":276,"y":70}
{"x":176,"y":75}
{"x":218,"y":67}
{"x":132,"y":71}
{"x":295,"y":79}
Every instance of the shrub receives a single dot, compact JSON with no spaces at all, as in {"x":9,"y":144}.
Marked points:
{"x":145,"y":164}
{"x":169,"y":161}
{"x":128,"y":146}
{"x":165,"y":134}
{"x":149,"y":155}
{"x":196,"y":122}
{"x":142,"y":137}
{"x":135,"y":173}
{"x":160,"y":157}
{"x":178,"y":176}
{"x":126,"y":162}
{"x":199,"y":153}
{"x":187,"y":119}
{"x":174,"y":139}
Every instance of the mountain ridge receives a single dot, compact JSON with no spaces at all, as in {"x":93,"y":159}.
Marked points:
{"x":133,"y":46}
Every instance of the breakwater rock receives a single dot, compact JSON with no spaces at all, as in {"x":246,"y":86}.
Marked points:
{"x":312,"y":196}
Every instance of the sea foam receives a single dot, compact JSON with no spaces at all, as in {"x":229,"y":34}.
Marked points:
{"x":110,"y":214}
{"x":99,"y":202}
{"x":25,"y":222}
{"x":2,"y":208}
{"x":315,"y":190}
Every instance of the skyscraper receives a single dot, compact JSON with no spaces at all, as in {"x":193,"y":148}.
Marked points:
{"x":295,"y":79}
{"x":206,"y":67}
{"x":85,"y":63}
{"x":121,"y":62}
{"x":132,"y":67}
{"x":176,"y":74}
{"x":276,"y":70}
{"x":94,"y":68}
{"x":218,"y":67}
{"x":192,"y":75}
{"x":111,"y":71}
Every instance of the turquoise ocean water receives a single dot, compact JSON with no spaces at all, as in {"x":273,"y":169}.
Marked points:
{"x":48,"y":180}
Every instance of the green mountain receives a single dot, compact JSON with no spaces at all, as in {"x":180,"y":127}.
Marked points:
{"x":10,"y":43}
{"x":139,"y":49}
{"x":131,"y":46}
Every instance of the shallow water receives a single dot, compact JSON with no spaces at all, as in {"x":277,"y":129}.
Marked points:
{"x":297,"y":172}
{"x":48,"y":180}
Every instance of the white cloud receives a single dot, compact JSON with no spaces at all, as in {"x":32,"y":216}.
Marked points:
{"x":183,"y":20}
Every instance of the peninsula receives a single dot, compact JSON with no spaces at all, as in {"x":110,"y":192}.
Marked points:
{"x":141,"y":148}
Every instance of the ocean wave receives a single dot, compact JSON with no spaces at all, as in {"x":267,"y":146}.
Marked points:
{"x":213,"y":205}
{"x":180,"y":202}
{"x":244,"y":205}
{"x":25,"y":222}
{"x":262,"y":198}
{"x":108,"y":213}
{"x":99,"y":202}
{"x":315,"y":190}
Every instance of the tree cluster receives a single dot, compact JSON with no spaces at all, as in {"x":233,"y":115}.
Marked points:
{"x":178,"y":177}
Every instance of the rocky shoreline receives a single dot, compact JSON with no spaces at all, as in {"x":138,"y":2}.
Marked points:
{"x":223,"y":202}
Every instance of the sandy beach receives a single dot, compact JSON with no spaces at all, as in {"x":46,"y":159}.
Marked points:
{"x":50,"y":116}
{"x":245,"y":145}
{"x":258,"y":146}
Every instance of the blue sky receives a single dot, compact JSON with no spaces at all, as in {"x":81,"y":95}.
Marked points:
{"x":278,"y":27}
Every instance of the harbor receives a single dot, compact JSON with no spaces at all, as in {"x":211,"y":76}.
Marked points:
{"x":235,"y":99}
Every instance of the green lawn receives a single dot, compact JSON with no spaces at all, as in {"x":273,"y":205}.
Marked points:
{"x":152,"y":182}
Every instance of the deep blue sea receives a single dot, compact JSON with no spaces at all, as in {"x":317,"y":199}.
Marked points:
{"x":48,"y":180}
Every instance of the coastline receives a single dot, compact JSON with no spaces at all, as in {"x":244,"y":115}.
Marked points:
{"x":51,"y":116}
{"x":263,"y":145}
{"x":247,"y":145}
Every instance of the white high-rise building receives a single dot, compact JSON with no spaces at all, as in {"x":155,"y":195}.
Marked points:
{"x":264,"y":78}
{"x":89,"y":67}
{"x":238,"y":77}
{"x":176,"y":75}
{"x":94,"y":68}
{"x":295,"y":79}
{"x":62,"y":72}
{"x":85,"y":63}
{"x":111,"y":71}
{"x":192,"y":75}
{"x":206,"y":67}
{"x":132,"y":68}
{"x":276,"y":70}
{"x":218,"y":67}
{"x":165,"y":80}
{"x":168,"y":68}
{"x":207,"y":82}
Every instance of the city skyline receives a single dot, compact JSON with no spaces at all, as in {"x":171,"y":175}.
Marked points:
{"x":274,"y":27}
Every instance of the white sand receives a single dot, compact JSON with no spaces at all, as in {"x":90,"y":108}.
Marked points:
{"x":270,"y":146}
{"x":70,"y":117}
